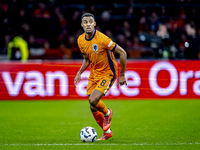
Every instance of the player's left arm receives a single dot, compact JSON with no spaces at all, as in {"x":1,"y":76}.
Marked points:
{"x":123,"y":57}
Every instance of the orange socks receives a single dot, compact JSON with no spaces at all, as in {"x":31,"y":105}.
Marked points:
{"x":101,"y":110}
{"x":98,"y":116}
{"x":101,"y":107}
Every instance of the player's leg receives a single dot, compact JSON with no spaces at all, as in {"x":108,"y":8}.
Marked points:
{"x":95,"y":90}
{"x":99,"y":105}
{"x":98,"y":116}
{"x":94,"y":100}
{"x":99,"y":110}
{"x":101,"y":114}
{"x":107,"y":118}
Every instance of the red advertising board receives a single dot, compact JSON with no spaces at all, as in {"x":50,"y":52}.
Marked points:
{"x":54,"y":80}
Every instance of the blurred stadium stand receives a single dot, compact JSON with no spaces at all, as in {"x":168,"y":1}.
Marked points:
{"x":51,"y":27}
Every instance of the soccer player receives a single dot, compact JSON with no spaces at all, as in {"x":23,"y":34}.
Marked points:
{"x":97,"y":50}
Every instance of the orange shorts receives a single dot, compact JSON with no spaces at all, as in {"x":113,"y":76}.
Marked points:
{"x":103,"y":85}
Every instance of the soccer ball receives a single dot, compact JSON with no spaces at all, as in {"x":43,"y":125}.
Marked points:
{"x":88,"y":134}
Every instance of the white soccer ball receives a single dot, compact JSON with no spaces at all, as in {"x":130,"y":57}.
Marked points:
{"x":88,"y":134}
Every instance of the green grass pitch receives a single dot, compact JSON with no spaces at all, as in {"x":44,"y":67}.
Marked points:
{"x":138,"y":125}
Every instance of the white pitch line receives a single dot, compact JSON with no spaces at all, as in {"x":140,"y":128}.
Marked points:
{"x":77,"y":144}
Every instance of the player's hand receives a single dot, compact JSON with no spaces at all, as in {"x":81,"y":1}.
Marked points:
{"x":122,"y":80}
{"x":77,"y":79}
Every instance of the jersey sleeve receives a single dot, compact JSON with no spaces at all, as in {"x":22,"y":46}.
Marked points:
{"x":108,"y":43}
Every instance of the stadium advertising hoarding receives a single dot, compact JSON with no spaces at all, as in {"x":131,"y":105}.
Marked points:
{"x":54,"y":80}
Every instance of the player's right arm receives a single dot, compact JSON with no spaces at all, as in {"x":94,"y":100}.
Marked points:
{"x":85,"y":65}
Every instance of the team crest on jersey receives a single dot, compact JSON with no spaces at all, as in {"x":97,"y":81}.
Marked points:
{"x":95,"y":48}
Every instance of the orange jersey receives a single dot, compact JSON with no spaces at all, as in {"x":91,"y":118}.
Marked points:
{"x":99,"y":48}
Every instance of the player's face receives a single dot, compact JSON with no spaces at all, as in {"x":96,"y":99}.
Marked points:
{"x":88,"y":24}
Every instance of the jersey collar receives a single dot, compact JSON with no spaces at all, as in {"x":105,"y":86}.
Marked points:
{"x":92,"y":36}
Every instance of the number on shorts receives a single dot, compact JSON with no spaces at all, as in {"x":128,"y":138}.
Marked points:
{"x":103,"y":82}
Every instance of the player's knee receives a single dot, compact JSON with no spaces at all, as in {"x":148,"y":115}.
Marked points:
{"x":93,"y":101}
{"x":93,"y":109}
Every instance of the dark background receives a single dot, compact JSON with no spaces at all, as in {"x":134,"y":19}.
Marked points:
{"x":51,"y":27}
